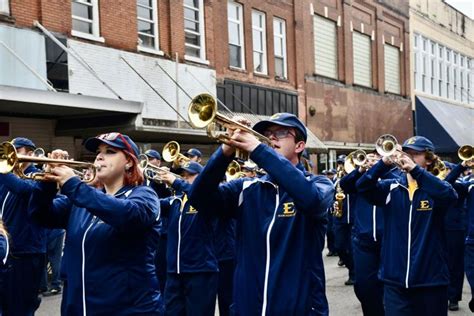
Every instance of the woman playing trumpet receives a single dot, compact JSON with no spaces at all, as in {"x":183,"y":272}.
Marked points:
{"x":111,"y":233}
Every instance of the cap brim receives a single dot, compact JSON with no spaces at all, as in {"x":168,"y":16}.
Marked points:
{"x":179,"y":170}
{"x":413,"y":147}
{"x":93,"y":143}
{"x":261,"y":126}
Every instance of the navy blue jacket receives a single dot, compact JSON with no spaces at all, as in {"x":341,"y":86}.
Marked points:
{"x":465,"y":189}
{"x":109,"y":248}
{"x":190,"y":245}
{"x":163,"y":192}
{"x":225,"y":238}
{"x":281,"y":221}
{"x":25,"y":235}
{"x":414,"y":248}
{"x":368,"y":218}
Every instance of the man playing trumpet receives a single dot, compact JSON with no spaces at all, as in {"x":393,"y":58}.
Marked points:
{"x":281,"y":219}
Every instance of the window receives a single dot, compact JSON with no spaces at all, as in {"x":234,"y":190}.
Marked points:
{"x":279,"y":39}
{"x":4,"y":7}
{"x":236,"y":35}
{"x":362,"y":59}
{"x":259,"y":42}
{"x":325,"y":47}
{"x":392,"y":69}
{"x":85,"y":19}
{"x":147,"y":25}
{"x":194,"y":30}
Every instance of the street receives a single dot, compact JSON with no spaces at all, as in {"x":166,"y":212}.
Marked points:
{"x":342,"y":299}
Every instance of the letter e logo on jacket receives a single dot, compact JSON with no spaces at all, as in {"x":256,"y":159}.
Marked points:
{"x":288,"y":210}
{"x":424,"y":206}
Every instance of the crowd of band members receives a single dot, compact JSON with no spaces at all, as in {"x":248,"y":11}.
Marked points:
{"x":136,"y":246}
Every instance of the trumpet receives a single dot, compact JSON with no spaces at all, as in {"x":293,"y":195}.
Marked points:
{"x":466,"y":153}
{"x":439,"y":169}
{"x":171,"y":153}
{"x":10,"y":161}
{"x":386,"y":146}
{"x":202,"y":113}
{"x":355,"y":159}
{"x":152,"y":172}
{"x":234,"y":171}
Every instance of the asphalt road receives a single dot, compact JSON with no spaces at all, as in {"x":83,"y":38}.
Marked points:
{"x":342,"y":300}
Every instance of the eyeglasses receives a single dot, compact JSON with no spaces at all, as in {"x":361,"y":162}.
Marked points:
{"x":113,"y":136}
{"x":279,"y":133}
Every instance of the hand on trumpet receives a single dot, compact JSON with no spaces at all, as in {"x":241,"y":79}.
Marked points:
{"x":167,"y":177}
{"x":468,"y":163}
{"x":240,"y":139}
{"x":57,"y":172}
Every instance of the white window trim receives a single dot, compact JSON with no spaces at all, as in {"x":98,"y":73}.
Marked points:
{"x":6,"y":4}
{"x":283,"y":36}
{"x":156,"y":50}
{"x":202,"y":36}
{"x":241,"y":33}
{"x":263,"y":30}
{"x":95,"y":36}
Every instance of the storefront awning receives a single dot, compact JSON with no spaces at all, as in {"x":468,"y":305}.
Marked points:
{"x":447,"y":125}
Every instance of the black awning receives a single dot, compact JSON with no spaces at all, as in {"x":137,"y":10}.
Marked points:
{"x":447,"y":125}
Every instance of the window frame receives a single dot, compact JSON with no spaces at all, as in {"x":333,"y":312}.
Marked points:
{"x":263,"y":31}
{"x":6,"y":4}
{"x":95,"y":36}
{"x":156,"y":32}
{"x":317,"y":59}
{"x":241,"y":34}
{"x":202,"y":35}
{"x":285,"y":53}
{"x":371,"y":79}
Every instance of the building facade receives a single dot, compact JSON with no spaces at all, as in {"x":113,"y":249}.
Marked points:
{"x":442,"y":60}
{"x":357,"y":79}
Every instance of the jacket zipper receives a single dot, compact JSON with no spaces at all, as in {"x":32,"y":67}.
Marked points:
{"x":84,"y":265}
{"x":178,"y":269}
{"x":374,"y":222}
{"x":348,"y":209}
{"x":409,"y":236}
{"x":3,"y":205}
{"x":267,"y":263}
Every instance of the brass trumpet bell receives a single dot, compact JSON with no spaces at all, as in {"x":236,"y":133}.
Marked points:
{"x":439,"y":169}
{"x":202,"y":113}
{"x":10,"y":161}
{"x":355,"y":159}
{"x":466,"y":153}
{"x":386,"y":145}
{"x":152,"y":172}
{"x":171,"y":153}
{"x":234,"y":171}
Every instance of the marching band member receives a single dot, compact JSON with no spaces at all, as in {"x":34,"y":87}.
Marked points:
{"x":367,"y":236}
{"x":455,"y":229}
{"x":281,"y":219}
{"x":154,"y":158}
{"x":343,"y":229}
{"x":191,"y":284}
{"x":194,"y":154}
{"x":414,"y":264}
{"x":465,"y":189}
{"x":111,"y":233}
{"x":26,"y":259}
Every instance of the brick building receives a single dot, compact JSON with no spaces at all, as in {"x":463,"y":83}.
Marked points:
{"x":356,"y":69}
{"x":442,"y":63}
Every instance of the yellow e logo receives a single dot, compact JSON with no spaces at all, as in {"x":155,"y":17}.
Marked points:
{"x":288,"y":209}
{"x":424,"y":204}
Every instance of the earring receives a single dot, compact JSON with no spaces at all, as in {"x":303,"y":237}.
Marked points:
{"x":127,"y":167}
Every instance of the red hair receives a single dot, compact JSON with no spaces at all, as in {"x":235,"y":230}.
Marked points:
{"x":134,"y":175}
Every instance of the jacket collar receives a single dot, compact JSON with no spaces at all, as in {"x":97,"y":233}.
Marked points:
{"x":123,"y":190}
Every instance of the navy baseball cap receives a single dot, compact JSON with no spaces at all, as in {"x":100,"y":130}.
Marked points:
{"x":151,"y":153}
{"x":418,"y":143}
{"x":341,"y":158}
{"x":192,"y":152}
{"x":23,"y":142}
{"x":191,"y":166}
{"x":282,"y":119}
{"x":114,"y":139}
{"x":331,"y":171}
{"x":325,"y":172}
